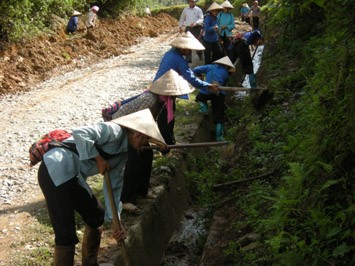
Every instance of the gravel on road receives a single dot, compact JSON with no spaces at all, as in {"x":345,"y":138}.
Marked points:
{"x":66,"y":101}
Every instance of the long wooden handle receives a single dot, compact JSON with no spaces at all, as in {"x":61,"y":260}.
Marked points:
{"x":188,"y":145}
{"x":223,"y":88}
{"x":116,"y":220}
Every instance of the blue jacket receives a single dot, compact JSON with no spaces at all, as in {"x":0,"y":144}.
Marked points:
{"x":214,"y":73}
{"x":72,"y":24}
{"x":173,"y":59}
{"x":252,"y":36}
{"x":208,"y":25}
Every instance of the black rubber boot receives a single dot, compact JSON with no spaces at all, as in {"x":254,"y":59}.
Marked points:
{"x":91,"y":245}
{"x":64,"y":255}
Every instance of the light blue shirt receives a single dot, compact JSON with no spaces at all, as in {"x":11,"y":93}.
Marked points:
{"x":63,"y":165}
{"x":225,"y":19}
{"x":244,"y":10}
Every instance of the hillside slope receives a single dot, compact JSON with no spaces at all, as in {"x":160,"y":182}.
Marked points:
{"x":24,"y":64}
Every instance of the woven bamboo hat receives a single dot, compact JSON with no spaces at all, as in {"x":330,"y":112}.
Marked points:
{"x":143,"y":122}
{"x":76,"y":13}
{"x":171,"y":84}
{"x":227,"y":4}
{"x":187,"y":41}
{"x":214,"y":6}
{"x":227,"y":62}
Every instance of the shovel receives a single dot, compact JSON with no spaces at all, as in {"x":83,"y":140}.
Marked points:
{"x":116,"y":219}
{"x":223,"y":88}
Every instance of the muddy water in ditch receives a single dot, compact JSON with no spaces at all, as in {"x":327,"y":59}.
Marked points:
{"x":185,"y":247}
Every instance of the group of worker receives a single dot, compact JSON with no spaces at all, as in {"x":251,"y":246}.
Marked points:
{"x":90,"y":22}
{"x":114,"y":147}
{"x":215,"y":31}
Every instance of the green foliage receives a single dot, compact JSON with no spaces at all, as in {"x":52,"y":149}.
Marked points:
{"x":204,"y":175}
{"x":308,"y":129}
{"x":174,"y":11}
{"x":25,"y":18}
{"x":66,"y":56}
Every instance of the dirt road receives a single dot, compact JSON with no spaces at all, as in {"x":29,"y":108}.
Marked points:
{"x":67,"y":101}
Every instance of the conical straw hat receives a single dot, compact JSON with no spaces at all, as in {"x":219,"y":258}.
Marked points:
{"x":227,"y":62}
{"x":143,"y":122}
{"x":187,"y":41}
{"x":214,"y":6}
{"x":76,"y":13}
{"x":171,"y":84}
{"x":227,"y":4}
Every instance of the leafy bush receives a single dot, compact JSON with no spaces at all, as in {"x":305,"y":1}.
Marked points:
{"x":309,"y":221}
{"x":25,"y":18}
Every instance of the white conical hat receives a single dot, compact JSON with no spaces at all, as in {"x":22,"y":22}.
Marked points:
{"x":76,"y":13}
{"x":187,"y":41}
{"x":171,"y":84}
{"x":227,"y":4}
{"x":143,"y":122}
{"x":214,"y":6}
{"x":226,"y":61}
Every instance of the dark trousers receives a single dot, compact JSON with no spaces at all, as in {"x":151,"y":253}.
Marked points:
{"x":226,"y":43}
{"x":136,"y":174}
{"x":167,"y":129}
{"x":213,"y":52}
{"x":62,"y":202}
{"x":240,"y":50}
{"x":217,"y":103}
{"x":255,"y":23}
{"x":139,"y":164}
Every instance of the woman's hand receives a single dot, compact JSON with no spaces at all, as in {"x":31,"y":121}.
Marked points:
{"x":213,"y":88}
{"x":102,"y":164}
{"x":119,"y":235}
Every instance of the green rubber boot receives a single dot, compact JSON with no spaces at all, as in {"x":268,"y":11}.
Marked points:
{"x":203,"y":108}
{"x":219,"y":132}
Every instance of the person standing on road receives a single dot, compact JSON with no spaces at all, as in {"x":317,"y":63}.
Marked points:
{"x":147,"y":11}
{"x":91,"y":17}
{"x":254,"y":13}
{"x":73,"y":22}
{"x":217,"y":72}
{"x":226,"y":24}
{"x":62,"y":175}
{"x":211,"y":40}
{"x":192,"y":19}
{"x":244,"y":10}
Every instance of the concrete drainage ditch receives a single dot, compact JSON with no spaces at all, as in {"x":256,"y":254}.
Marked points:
{"x":151,"y":232}
{"x":152,"y":241}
